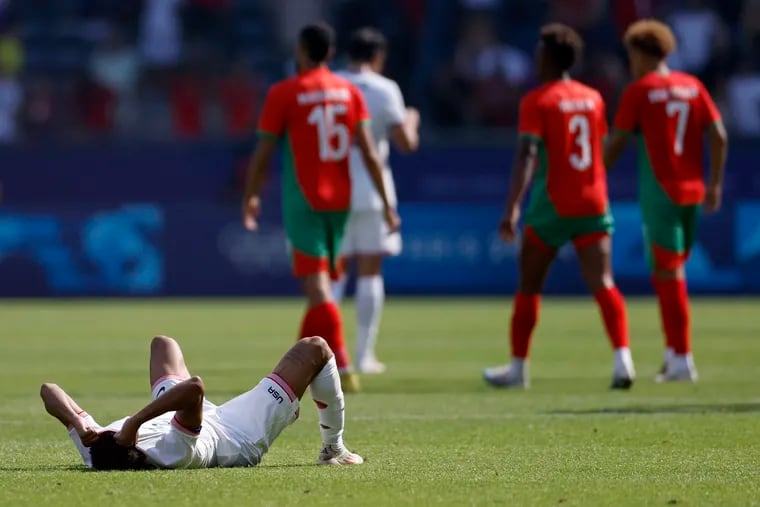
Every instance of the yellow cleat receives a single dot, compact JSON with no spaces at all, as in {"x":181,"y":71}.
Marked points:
{"x":349,"y":381}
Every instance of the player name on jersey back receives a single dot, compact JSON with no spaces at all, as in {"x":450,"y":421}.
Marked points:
{"x":656,"y":95}
{"x":321,"y":96}
{"x":577,"y":105}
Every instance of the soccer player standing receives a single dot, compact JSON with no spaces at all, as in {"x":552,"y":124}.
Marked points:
{"x":669,"y":112}
{"x":317,"y":116}
{"x":561,"y":127}
{"x":368,"y":240}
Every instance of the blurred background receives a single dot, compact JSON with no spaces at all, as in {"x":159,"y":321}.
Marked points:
{"x":125,"y":127}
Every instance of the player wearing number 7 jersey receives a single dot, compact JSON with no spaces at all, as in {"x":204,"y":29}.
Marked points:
{"x":561,"y":127}
{"x":317,"y":117}
{"x":669,"y":112}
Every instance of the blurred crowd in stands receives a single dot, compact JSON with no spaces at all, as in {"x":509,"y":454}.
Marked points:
{"x":78,"y":70}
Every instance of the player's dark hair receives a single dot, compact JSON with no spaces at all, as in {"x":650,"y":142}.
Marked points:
{"x":651,"y":37}
{"x":108,"y":455}
{"x":318,"y":40}
{"x":562,"y":45}
{"x":366,"y":44}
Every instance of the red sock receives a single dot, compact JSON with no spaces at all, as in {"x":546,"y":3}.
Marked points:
{"x":524,"y":318}
{"x":324,"y":320}
{"x":674,"y":310}
{"x":612,"y":306}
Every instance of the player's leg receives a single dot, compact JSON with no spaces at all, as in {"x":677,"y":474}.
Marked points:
{"x":166,"y":361}
{"x":315,"y":241}
{"x":670,"y":237}
{"x":348,"y":251}
{"x":594,"y":252}
{"x":311,"y":363}
{"x":536,"y":257}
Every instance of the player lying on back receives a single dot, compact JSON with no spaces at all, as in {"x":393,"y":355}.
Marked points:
{"x":316,"y":117}
{"x":180,"y":428}
{"x":561,"y":127}
{"x":669,"y":112}
{"x":368,"y":240}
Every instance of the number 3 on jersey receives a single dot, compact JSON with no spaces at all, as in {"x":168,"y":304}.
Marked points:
{"x":680,"y":109}
{"x":333,"y":136}
{"x":580,"y":128}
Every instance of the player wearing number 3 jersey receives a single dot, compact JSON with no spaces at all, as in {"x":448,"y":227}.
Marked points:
{"x":669,"y":112}
{"x":562,"y":124}
{"x":317,"y":117}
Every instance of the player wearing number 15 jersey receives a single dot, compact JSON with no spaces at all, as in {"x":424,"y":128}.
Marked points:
{"x":317,"y":117}
{"x":669,"y":112}
{"x":562,"y":124}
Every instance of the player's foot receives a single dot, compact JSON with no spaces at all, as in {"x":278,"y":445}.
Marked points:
{"x":349,"y":382}
{"x":679,"y":369}
{"x":338,"y":455}
{"x":506,"y":376}
{"x":623,"y":372}
{"x":371,"y":366}
{"x":669,"y":355}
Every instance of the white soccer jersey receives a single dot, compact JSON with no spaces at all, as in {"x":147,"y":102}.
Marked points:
{"x":234,"y":434}
{"x":386,"y":106}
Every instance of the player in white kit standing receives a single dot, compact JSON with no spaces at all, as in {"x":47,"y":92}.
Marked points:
{"x":367,"y":240}
{"x":180,"y":428}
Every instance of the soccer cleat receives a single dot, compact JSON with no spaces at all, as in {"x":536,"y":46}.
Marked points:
{"x":338,"y":455}
{"x":371,"y":366}
{"x":622,"y":383}
{"x":506,"y":376}
{"x":623,"y":373}
{"x":349,"y":382}
{"x":680,"y":369}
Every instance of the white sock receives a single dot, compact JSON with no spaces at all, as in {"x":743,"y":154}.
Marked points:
{"x":370,"y":297}
{"x":339,"y":288}
{"x":669,"y":354}
{"x":328,"y":396}
{"x":624,"y":362}
{"x":518,"y":365}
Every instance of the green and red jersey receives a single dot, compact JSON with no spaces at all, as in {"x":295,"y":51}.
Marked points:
{"x":568,"y":121}
{"x":317,"y":114}
{"x":669,"y":113}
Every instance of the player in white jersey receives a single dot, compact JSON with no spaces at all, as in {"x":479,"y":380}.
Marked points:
{"x":180,"y":428}
{"x":367,"y":239}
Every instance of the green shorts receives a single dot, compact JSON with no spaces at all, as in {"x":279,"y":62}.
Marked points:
{"x":315,"y":239}
{"x":669,"y":232}
{"x":554,"y":231}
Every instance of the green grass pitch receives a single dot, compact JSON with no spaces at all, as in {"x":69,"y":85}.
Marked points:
{"x":432,"y":432}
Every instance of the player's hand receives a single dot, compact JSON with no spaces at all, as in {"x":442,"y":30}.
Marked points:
{"x":127,"y":436}
{"x":87,"y":434}
{"x":713,"y":199}
{"x":392,"y":220}
{"x":508,"y":227}
{"x":251,"y":212}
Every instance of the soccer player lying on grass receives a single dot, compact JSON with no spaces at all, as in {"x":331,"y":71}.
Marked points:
{"x":669,"y":113}
{"x":180,"y":428}
{"x":562,"y":124}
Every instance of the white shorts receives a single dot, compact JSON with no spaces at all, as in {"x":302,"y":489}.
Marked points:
{"x":367,"y":234}
{"x":257,"y":417}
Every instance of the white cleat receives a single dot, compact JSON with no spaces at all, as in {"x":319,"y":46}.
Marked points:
{"x":506,"y":376}
{"x":680,"y":369}
{"x":623,"y":373}
{"x":371,"y":366}
{"x":338,"y":455}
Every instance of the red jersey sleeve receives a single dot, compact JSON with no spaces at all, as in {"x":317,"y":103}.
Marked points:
{"x":627,"y":118}
{"x":272,"y":120}
{"x":710,"y":110}
{"x":530,"y":123}
{"x":360,"y":106}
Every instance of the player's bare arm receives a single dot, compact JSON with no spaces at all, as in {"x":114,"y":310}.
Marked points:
{"x":372,"y":162}
{"x":257,"y":175}
{"x":405,"y":136}
{"x":522,"y":173}
{"x":186,"y":398}
{"x":718,"y":155}
{"x":615,"y":147}
{"x":63,"y":407}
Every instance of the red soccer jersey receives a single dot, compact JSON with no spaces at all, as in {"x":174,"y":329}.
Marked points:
{"x":569,"y":120}
{"x":671,"y":113}
{"x":317,"y":112}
